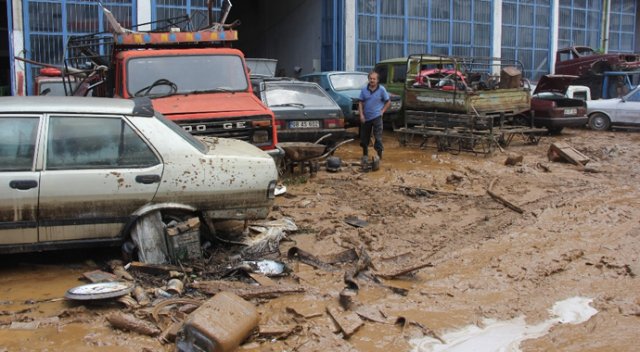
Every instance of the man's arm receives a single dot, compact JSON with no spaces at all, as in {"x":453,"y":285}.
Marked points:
{"x":360,"y":112}
{"x":386,"y":106}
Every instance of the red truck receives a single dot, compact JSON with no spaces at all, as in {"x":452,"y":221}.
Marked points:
{"x":193,"y":78}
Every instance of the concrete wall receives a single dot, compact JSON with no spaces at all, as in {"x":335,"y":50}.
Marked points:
{"x":287,"y":30}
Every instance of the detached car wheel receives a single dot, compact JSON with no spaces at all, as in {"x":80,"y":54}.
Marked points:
{"x":599,"y":122}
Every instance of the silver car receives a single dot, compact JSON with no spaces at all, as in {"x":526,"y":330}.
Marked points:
{"x":623,"y":112}
{"x":77,"y":171}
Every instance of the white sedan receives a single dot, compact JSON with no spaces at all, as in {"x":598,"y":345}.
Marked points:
{"x":623,"y":112}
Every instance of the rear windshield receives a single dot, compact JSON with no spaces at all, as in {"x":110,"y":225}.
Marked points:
{"x":184,"y":134}
{"x":304,"y":95}
{"x":348,"y":82}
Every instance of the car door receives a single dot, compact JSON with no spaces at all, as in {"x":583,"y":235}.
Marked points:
{"x":628,"y":111}
{"x":97,"y":171}
{"x":19,"y":182}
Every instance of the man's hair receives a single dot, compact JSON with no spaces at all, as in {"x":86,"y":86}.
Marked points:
{"x":372,"y":73}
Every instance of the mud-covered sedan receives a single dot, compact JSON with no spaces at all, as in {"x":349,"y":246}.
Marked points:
{"x":77,"y":171}
{"x":304,"y":112}
{"x":617,"y":112}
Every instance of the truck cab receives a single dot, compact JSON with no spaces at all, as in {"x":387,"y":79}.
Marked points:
{"x":193,"y":78}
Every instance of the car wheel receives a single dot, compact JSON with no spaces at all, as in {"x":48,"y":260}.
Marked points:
{"x":599,"y":122}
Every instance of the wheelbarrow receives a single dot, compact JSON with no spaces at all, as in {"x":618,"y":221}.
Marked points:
{"x":307,"y":154}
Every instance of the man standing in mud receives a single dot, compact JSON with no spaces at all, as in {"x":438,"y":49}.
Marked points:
{"x":374,"y":101}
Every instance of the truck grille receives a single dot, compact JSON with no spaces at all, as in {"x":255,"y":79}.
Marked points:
{"x":242,"y":128}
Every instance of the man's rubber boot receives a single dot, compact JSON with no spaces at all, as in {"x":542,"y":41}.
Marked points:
{"x":379,"y":154}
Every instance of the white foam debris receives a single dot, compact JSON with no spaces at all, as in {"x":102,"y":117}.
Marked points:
{"x":506,"y":336}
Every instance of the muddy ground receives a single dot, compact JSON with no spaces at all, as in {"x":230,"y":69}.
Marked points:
{"x":578,"y":236}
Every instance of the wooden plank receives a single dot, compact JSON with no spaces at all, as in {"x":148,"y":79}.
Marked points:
{"x":245,"y":291}
{"x":563,"y":151}
{"x":348,"y":322}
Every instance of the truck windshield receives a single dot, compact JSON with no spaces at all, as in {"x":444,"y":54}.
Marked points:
{"x":349,"y":81}
{"x":185,"y":74}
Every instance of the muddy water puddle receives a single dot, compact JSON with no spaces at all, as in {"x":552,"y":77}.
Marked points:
{"x":576,"y":237}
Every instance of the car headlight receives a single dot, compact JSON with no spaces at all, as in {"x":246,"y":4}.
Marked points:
{"x":260,"y":137}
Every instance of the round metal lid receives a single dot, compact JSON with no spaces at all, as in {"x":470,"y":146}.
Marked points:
{"x":99,"y":290}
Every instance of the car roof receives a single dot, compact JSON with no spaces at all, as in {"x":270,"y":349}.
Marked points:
{"x":327,"y":73}
{"x":66,"y":104}
{"x":393,"y":60}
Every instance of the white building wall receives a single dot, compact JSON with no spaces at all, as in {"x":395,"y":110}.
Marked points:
{"x":16,"y":33}
{"x":350,"y":35}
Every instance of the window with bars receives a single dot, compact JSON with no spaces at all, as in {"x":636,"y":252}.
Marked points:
{"x":579,"y":23}
{"x":622,"y":26}
{"x":397,"y":28}
{"x":165,"y":10}
{"x":51,"y":23}
{"x":526,"y":28}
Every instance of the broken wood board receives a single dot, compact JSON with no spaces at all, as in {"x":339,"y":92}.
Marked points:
{"x":275,"y":331}
{"x":245,"y":291}
{"x":348,"y":322}
{"x":156,"y":269}
{"x":96,"y":276}
{"x":262,"y":279}
{"x":559,"y":151}
{"x":306,"y":309}
{"x":390,"y":274}
{"x":500,"y":199}
{"x":128,"y":322}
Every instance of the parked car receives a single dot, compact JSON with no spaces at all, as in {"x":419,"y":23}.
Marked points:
{"x":582,"y":60}
{"x":552,"y":109}
{"x":344,"y":87}
{"x":78,"y":171}
{"x":304,"y":112}
{"x":622,"y":112}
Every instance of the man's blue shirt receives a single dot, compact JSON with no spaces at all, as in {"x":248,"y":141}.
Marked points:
{"x":373,"y":101}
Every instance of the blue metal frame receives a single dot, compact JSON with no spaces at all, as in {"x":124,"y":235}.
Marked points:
{"x":332,"y":50}
{"x":585,"y":29}
{"x":619,"y":12}
{"x":63,"y":32}
{"x":429,"y":20}
{"x":531,"y":70}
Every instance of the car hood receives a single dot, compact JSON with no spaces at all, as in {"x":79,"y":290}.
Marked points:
{"x":207,"y":103}
{"x":226,"y":146}
{"x":554,"y":83}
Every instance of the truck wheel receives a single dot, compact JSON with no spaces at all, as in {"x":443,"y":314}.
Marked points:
{"x":599,"y":122}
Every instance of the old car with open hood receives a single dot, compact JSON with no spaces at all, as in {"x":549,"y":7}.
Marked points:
{"x":551,"y":108}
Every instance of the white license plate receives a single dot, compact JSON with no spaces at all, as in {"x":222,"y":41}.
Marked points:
{"x":304,"y":124}
{"x":570,"y":112}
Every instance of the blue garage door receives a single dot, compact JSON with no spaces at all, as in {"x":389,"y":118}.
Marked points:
{"x":195,"y":9}
{"x":526,"y":35}
{"x":622,"y":26}
{"x":397,"y":28}
{"x":48,"y":25}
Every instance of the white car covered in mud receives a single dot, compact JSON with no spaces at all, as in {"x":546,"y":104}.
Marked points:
{"x":78,"y":171}
{"x":617,"y":112}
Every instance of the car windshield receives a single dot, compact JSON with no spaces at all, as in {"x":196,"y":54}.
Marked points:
{"x":634,"y":95}
{"x":348,"y":81}
{"x":183,"y":134}
{"x":301,"y":95}
{"x":166,"y":75}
